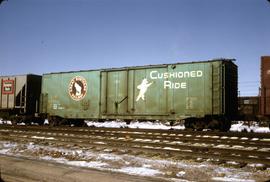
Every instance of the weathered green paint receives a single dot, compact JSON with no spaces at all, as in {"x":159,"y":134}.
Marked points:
{"x":55,"y":88}
{"x":115,"y":93}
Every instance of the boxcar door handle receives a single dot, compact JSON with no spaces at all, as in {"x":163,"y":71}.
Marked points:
{"x":122,"y":100}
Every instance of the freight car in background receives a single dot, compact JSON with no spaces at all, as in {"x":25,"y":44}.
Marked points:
{"x":265,"y":89}
{"x":204,"y":94}
{"x":248,"y":108}
{"x":19,"y":97}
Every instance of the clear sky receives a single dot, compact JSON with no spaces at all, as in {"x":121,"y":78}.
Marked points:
{"x":41,"y":36}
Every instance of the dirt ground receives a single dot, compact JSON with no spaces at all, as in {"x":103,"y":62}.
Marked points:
{"x":25,"y":170}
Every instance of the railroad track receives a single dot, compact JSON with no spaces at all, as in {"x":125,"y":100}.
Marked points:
{"x":239,"y":147}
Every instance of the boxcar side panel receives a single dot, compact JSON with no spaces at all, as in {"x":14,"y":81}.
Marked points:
{"x":217,"y":88}
{"x":33,"y":94}
{"x":265,"y":86}
{"x":72,"y":95}
{"x":8,"y":91}
{"x":150,"y":98}
{"x":193,"y":100}
{"x":11,"y":86}
{"x":21,"y":93}
{"x":171,"y":92}
{"x":117,"y":92}
{"x":164,"y":92}
{"x":230,"y":88}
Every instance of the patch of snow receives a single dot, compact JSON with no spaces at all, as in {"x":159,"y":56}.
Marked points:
{"x":237,"y":146}
{"x":46,"y":122}
{"x":102,"y":143}
{"x":148,"y":125}
{"x":109,"y":157}
{"x":232,"y":162}
{"x":5,"y":122}
{"x":181,"y":174}
{"x":4,"y":151}
{"x":231,"y":179}
{"x":224,"y":137}
{"x":170,"y":148}
{"x":133,"y":124}
{"x":9,"y":145}
{"x":58,"y":160}
{"x":147,"y":165}
{"x":48,"y":158}
{"x":222,"y":146}
{"x":6,"y":147}
{"x":142,"y":171}
{"x":264,"y":149}
{"x":91,"y":164}
{"x":179,"y":180}
{"x":31,"y":146}
{"x":107,"y":124}
{"x":47,"y":138}
{"x":244,"y":138}
{"x":256,"y":165}
{"x":240,"y":126}
{"x":22,"y":123}
{"x":260,"y":129}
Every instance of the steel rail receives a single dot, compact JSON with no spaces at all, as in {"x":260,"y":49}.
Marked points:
{"x":202,"y":150}
{"x":183,"y":138}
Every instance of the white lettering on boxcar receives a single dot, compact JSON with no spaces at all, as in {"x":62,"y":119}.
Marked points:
{"x":169,"y":84}
{"x":174,"y":85}
{"x":181,"y":74}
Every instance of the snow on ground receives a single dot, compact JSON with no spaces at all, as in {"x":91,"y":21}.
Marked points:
{"x":227,"y":179}
{"x":107,"y":124}
{"x":240,"y":126}
{"x":122,"y":161}
{"x":5,"y":122}
{"x":142,"y":171}
{"x":46,"y":122}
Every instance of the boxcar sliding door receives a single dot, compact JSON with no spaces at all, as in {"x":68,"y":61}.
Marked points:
{"x":115,"y":92}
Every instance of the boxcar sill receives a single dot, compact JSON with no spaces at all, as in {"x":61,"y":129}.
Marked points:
{"x":136,"y":114}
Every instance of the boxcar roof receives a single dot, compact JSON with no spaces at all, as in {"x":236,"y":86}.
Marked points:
{"x":145,"y":66}
{"x":28,"y":74}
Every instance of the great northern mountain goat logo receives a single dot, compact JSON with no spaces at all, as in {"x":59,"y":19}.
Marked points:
{"x":77,"y":88}
{"x":143,"y":88}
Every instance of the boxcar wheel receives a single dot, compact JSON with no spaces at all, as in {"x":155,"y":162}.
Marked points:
{"x":53,"y":121}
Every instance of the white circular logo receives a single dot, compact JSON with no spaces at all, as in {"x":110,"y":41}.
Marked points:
{"x":77,"y":88}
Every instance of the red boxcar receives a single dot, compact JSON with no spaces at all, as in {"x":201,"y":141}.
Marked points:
{"x":265,"y":86}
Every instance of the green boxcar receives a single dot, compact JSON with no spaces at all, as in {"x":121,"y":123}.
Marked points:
{"x":157,"y":92}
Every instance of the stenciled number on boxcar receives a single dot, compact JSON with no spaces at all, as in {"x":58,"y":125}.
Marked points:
{"x":77,"y":88}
